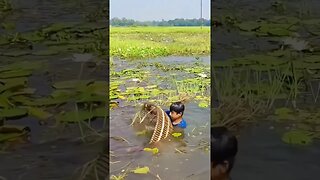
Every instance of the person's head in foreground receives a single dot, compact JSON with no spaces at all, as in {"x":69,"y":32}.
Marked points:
{"x":224,"y":147}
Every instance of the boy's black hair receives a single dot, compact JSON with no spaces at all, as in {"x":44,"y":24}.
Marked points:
{"x":224,"y":146}
{"x":177,"y":107}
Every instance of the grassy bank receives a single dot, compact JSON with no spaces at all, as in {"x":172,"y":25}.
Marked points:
{"x":149,"y":42}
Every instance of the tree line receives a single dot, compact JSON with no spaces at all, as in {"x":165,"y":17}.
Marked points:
{"x":175,"y":22}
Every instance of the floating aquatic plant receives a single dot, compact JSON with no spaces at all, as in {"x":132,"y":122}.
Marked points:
{"x":11,"y":133}
{"x":142,"y":170}
{"x":5,"y":5}
{"x":297,"y":137}
{"x":176,"y":134}
{"x":153,"y":150}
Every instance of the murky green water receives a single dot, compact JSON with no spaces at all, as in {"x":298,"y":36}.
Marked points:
{"x":263,"y":154}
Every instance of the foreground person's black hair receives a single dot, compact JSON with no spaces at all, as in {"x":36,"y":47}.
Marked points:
{"x":224,"y":147}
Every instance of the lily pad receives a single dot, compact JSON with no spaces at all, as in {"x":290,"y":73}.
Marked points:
{"x":155,"y":92}
{"x":312,"y":59}
{"x":57,"y":27}
{"x":3,"y":41}
{"x":61,"y":93}
{"x":153,"y":150}
{"x":275,"y":29}
{"x":284,"y":20}
{"x":144,"y":97}
{"x":297,"y":137}
{"x":114,"y":97}
{"x":24,"y":91}
{"x":10,"y":136}
{"x":176,"y":134}
{"x":14,"y":129}
{"x":71,"y":84}
{"x":140,"y":133}
{"x":279,"y":32}
{"x":283,"y":110}
{"x":9,"y":26}
{"x":174,"y":98}
{"x":285,"y":114}
{"x":39,"y":113}
{"x":73,"y":116}
{"x":32,"y":36}
{"x":45,"y":53}
{"x":100,"y":112}
{"x":63,"y":47}
{"x":313,"y":29}
{"x":13,"y":113}
{"x":143,"y":170}
{"x":91,"y":98}
{"x":151,"y":87}
{"x":47,"y":101}
{"x":314,"y":66}
{"x":11,"y":85}
{"x":15,"y":73}
{"x":23,"y":100}
{"x":279,"y":53}
{"x":311,"y":21}
{"x":25,"y":65}
{"x":249,"y":25}
{"x":203,"y":104}
{"x":100,"y":87}
{"x":4,"y":102}
{"x":22,"y":80}
{"x":16,"y":53}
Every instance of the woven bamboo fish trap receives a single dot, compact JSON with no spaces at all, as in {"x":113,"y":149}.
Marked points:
{"x":153,"y":115}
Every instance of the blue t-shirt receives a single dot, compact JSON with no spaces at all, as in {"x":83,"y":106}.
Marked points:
{"x":182,"y":124}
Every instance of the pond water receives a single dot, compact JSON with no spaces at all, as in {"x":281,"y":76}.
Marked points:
{"x":181,"y":158}
{"x":182,"y":60}
{"x":231,"y":43}
{"x":48,"y":12}
{"x":168,"y":163}
{"x":121,"y":64}
{"x":60,"y":158}
{"x":262,"y":154}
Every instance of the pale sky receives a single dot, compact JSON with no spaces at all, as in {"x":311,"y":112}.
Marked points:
{"x":148,"y":10}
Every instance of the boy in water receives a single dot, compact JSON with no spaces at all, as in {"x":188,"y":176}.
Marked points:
{"x":175,"y":113}
{"x":224,"y":147}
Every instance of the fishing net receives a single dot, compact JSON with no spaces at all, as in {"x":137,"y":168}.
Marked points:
{"x":153,"y":115}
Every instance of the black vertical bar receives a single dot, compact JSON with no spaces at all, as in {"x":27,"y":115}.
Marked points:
{"x":107,"y":145}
